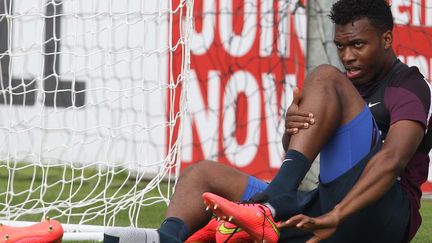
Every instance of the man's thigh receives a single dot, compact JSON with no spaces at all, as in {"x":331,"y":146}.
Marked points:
{"x":384,"y":221}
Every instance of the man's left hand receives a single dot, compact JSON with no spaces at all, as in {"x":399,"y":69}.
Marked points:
{"x":322,"y":227}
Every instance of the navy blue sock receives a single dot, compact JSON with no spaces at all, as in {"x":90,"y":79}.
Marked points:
{"x":173,"y":229}
{"x":290,"y":174}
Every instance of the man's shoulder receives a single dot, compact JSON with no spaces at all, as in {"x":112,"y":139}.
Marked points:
{"x":410,"y":78}
{"x":406,"y":75}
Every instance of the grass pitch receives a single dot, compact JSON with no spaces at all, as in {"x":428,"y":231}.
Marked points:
{"x":150,"y":216}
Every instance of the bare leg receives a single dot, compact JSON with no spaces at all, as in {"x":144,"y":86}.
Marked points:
{"x":333,"y":100}
{"x":206,"y":176}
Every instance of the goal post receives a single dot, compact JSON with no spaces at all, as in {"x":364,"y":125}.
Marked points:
{"x":91,"y":104}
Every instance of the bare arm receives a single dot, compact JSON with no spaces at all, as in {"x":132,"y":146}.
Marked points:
{"x":379,"y":175}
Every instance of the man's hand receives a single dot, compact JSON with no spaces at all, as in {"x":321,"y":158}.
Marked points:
{"x":322,"y":227}
{"x":296,"y":119}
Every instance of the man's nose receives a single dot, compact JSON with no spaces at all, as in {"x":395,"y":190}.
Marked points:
{"x":348,"y":55}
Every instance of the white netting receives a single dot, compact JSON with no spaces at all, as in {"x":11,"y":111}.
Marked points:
{"x":90,"y":106}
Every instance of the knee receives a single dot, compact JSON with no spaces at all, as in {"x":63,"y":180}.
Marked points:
{"x":327,"y":70}
{"x":198,"y":170}
{"x":327,"y":74}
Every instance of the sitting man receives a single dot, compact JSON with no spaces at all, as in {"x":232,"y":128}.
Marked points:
{"x":382,"y":181}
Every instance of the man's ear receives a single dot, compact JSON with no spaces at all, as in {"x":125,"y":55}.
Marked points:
{"x":387,"y":39}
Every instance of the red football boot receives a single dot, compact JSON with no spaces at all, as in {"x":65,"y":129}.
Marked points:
{"x":47,"y":231}
{"x":205,"y":234}
{"x":230,"y":233}
{"x":254,"y":218}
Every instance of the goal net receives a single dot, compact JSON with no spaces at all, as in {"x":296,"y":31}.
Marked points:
{"x":91,"y":102}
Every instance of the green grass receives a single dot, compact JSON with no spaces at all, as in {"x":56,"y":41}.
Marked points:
{"x":425,"y":232}
{"x":88,"y":183}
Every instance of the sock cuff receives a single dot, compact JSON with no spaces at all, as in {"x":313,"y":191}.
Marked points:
{"x":294,"y":155}
{"x":175,"y":227}
{"x":173,"y":219}
{"x":296,"y":159}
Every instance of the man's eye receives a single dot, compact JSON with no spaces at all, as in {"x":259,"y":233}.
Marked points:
{"x":358,"y":44}
{"x":339,"y":46}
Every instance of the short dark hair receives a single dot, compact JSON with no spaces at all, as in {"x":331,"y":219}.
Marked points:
{"x":377,"y":11}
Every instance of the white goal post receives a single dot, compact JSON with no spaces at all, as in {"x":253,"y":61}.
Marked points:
{"x":91,"y":104}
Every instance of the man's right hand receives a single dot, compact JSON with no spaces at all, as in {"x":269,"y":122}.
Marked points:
{"x":295,"y":119}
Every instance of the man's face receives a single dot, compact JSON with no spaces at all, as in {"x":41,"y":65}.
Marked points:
{"x":361,"y":50}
